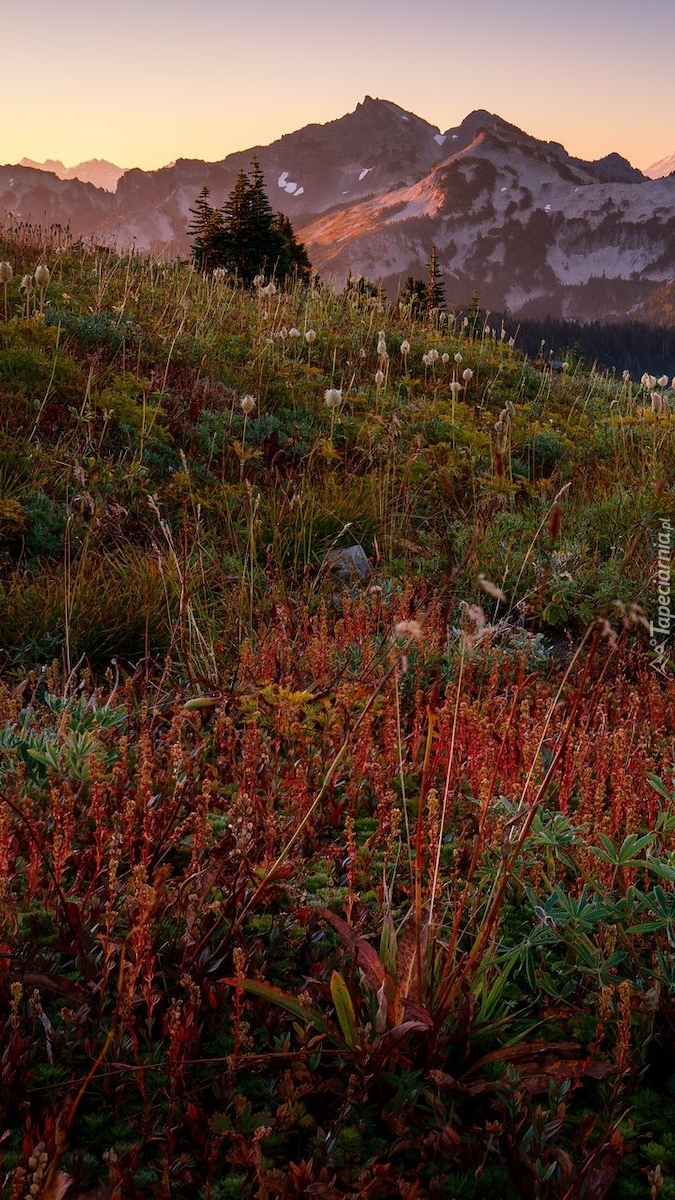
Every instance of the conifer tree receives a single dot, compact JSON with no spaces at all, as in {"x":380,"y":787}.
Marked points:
{"x":435,"y":288}
{"x":293,"y":257}
{"x":265,"y":236}
{"x":207,"y":230}
{"x":238,"y":248}
{"x":414,"y":294}
{"x":246,"y":236}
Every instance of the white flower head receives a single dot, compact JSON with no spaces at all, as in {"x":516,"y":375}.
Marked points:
{"x":382,"y":348}
{"x":247,"y":404}
{"x":445,"y":359}
{"x":663,"y":381}
{"x":310,"y":336}
{"x":42,"y":275}
{"x":455,"y":387}
{"x":26,"y":283}
{"x":410,"y":630}
{"x":467,"y":374}
{"x":333,"y":398}
{"x":294,"y":333}
{"x":379,"y":378}
{"x":6,"y":272}
{"x":458,"y":357}
{"x":405,"y":347}
{"x":433,"y":355}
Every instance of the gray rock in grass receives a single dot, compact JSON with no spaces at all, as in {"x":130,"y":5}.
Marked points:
{"x":349,"y":563}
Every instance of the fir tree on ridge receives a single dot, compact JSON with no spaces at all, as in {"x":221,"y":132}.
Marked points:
{"x":207,"y":230}
{"x":435,"y":288}
{"x":246,"y":236}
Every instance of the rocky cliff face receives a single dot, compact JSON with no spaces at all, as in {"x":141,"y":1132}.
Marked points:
{"x":535,"y":230}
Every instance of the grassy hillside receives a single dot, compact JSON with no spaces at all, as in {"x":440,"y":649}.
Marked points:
{"x":323,"y":883}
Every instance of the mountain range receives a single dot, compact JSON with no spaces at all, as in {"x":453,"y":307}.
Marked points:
{"x":95,"y":170}
{"x":535,"y":230}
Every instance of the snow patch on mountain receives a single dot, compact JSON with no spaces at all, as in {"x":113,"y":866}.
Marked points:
{"x":293,"y":189}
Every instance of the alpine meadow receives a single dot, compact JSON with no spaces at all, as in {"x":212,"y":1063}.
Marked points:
{"x":337,"y":716}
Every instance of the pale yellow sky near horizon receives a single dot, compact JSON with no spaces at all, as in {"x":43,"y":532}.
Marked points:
{"x":143,"y":82}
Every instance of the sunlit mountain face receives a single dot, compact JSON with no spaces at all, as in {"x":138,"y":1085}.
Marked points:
{"x":532,"y":228}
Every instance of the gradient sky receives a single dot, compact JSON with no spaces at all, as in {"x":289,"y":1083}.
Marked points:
{"x":143,"y":82}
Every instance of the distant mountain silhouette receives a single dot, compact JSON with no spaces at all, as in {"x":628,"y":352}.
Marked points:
{"x":96,"y":170}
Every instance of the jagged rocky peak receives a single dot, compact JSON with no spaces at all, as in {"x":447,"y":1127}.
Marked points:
{"x":386,"y":110}
{"x":615,"y":169}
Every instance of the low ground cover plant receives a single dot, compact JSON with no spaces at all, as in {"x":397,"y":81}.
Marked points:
{"x":319,"y":883}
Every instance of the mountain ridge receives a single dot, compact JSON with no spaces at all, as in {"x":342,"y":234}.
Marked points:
{"x":98,"y":171}
{"x":533,"y":228}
